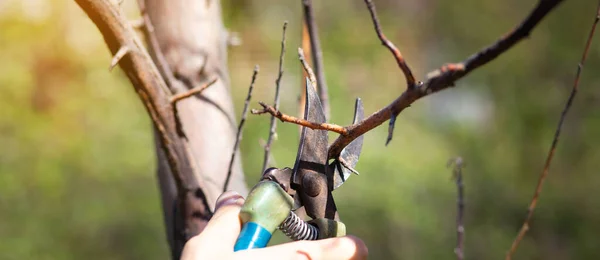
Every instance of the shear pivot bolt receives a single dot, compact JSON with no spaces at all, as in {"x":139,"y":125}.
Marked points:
{"x":311,"y":184}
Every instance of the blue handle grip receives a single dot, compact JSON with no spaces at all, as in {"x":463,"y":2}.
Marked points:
{"x":252,"y":235}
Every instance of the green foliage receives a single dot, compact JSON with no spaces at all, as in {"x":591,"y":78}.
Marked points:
{"x":77,"y":159}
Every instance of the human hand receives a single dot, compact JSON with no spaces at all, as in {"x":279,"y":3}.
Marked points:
{"x":219,"y":236}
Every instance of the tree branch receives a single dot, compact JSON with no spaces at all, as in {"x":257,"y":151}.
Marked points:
{"x":150,"y":87}
{"x":240,"y":128}
{"x":159,"y":57}
{"x":317,"y":54}
{"x":443,"y":78}
{"x":410,"y":79}
{"x":287,"y":118}
{"x":307,"y":68}
{"x":544,"y":174}
{"x":181,"y":96}
{"x":197,"y":90}
{"x":273,"y":127}
{"x":437,"y":80}
{"x":306,"y":49}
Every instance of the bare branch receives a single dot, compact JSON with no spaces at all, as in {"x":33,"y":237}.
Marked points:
{"x":197,"y":90}
{"x":460,"y":206}
{"x":287,"y":118}
{"x":159,"y":58}
{"x":444,"y":77}
{"x":410,"y":79}
{"x":181,"y":96}
{"x":277,"y":88}
{"x":240,"y":128}
{"x":306,"y":50}
{"x":317,"y":54}
{"x":544,"y":174}
{"x":307,"y":68}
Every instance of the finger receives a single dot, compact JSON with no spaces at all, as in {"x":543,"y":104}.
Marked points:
{"x":340,"y":248}
{"x":225,"y":224}
{"x":227,"y":198}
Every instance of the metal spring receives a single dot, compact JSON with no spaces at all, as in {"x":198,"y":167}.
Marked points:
{"x":296,"y":229}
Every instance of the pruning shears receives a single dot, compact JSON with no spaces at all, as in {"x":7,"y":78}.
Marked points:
{"x":281,"y":194}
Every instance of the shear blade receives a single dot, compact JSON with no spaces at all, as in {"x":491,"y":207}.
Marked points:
{"x":350,"y":153}
{"x":312,"y":150}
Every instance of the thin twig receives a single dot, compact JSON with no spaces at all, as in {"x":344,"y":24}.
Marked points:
{"x":307,"y":50}
{"x":317,"y":54}
{"x":180,"y":96}
{"x":240,"y":128}
{"x":410,"y":79}
{"x":287,"y":118}
{"x":262,"y":143}
{"x":155,"y":51}
{"x":347,"y":165}
{"x":307,"y":68}
{"x":276,"y":101}
{"x":460,"y":206}
{"x":437,"y":80}
{"x":544,"y":174}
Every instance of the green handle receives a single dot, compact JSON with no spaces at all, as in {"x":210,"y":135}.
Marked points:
{"x":265,"y":208}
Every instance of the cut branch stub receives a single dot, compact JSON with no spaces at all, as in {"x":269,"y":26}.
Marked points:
{"x":118,"y":56}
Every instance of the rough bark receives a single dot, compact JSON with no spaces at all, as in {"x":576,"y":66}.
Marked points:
{"x":192,"y":38}
{"x":195,"y":136}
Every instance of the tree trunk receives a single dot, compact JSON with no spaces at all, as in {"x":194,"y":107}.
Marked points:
{"x":193,"y":40}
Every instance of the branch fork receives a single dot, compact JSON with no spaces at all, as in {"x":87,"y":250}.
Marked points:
{"x":437,"y":80}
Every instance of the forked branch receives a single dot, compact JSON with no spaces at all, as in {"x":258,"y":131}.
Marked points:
{"x":442,"y":78}
{"x":544,"y":174}
{"x":437,"y":80}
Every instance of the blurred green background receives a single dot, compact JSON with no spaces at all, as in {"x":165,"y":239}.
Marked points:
{"x":77,"y":160}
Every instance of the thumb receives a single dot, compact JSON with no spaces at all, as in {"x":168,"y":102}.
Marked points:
{"x":225,"y":224}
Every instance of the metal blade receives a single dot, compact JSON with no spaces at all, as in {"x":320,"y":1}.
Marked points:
{"x":311,"y":156}
{"x":351,"y":153}
{"x":312,"y":150}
